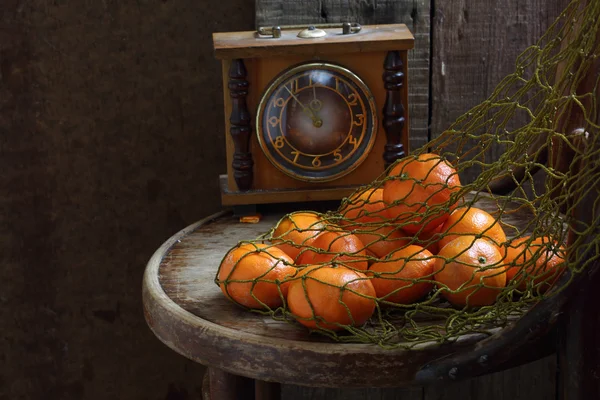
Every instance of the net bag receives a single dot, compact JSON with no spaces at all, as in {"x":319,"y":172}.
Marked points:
{"x":461,"y":236}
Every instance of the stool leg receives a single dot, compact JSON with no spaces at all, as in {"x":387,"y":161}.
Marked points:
{"x":579,"y":346}
{"x":225,"y":386}
{"x":206,"y":385}
{"x":267,"y":390}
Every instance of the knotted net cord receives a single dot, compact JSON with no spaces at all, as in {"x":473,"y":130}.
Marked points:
{"x":538,"y":132}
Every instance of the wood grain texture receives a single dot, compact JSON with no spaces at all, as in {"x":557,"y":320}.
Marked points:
{"x":110,"y":115}
{"x":579,"y":332}
{"x":188,"y":267}
{"x":534,"y":381}
{"x":394,"y":107}
{"x":224,"y":386}
{"x":579,"y":346}
{"x":267,"y":390}
{"x":302,"y":392}
{"x":475,"y":45}
{"x":241,"y":126}
{"x":189,"y":313}
{"x":415,"y":14}
{"x":229,"y":198}
{"x":369,"y":67}
{"x":29,"y":342}
{"x":371,"y":38}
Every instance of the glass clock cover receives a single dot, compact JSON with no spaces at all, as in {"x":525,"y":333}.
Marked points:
{"x":316,"y":122}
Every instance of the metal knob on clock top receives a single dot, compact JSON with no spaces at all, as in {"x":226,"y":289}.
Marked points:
{"x":311,"y":114}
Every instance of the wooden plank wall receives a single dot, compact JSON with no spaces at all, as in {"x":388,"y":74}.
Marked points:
{"x":111,"y":140}
{"x":462,"y":49}
{"x":415,"y":14}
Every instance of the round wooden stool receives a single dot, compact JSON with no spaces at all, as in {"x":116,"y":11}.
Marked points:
{"x":187,"y":311}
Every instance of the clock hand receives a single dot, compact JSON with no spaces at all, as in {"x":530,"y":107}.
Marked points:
{"x":304,"y":108}
{"x":316,"y":121}
{"x":315,"y":104}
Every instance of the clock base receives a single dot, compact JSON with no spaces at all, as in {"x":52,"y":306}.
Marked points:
{"x":231,"y":197}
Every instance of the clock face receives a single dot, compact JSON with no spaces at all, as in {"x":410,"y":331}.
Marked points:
{"x":316,"y":122}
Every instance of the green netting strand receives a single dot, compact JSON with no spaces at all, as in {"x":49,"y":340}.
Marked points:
{"x":392,"y":267}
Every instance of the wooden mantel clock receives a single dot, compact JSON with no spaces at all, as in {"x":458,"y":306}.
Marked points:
{"x":311,"y":113}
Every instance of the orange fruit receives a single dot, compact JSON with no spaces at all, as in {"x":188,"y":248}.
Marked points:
{"x":294,"y":230}
{"x":249,"y":275}
{"x":364,"y":215}
{"x":541,"y":259}
{"x":430,"y":240}
{"x":364,"y":207}
{"x":371,"y":257}
{"x":381,"y":240}
{"x":472,"y":267}
{"x":418,"y":191}
{"x":334,"y":246}
{"x":514,"y":256}
{"x":394,"y":278}
{"x":330,"y":297}
{"x":471,"y":221}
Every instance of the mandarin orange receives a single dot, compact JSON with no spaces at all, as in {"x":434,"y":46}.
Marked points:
{"x":430,"y":240}
{"x":514,"y":256}
{"x":538,"y":262}
{"x":331,"y":297}
{"x":470,"y":272}
{"x":294,"y":230}
{"x":364,"y":215}
{"x":253,"y":275}
{"x":418,"y":191}
{"x":364,"y":207}
{"x":334,"y":245}
{"x":471,"y":221}
{"x":381,"y":240}
{"x":396,"y":278}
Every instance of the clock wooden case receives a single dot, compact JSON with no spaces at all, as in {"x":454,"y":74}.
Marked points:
{"x":311,"y":115}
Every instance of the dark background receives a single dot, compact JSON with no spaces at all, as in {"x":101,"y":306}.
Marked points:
{"x":111,"y":140}
{"x":111,"y":127}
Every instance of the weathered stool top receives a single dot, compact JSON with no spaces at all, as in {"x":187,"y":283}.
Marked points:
{"x":188,"y":312}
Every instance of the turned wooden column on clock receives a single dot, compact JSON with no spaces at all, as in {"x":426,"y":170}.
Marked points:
{"x":311,"y":114}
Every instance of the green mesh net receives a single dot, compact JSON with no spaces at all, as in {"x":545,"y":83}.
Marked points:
{"x":463,"y":235}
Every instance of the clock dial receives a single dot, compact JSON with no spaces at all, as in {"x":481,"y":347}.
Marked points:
{"x":316,"y":122}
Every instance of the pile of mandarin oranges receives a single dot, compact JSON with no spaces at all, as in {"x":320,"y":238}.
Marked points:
{"x":394,"y":244}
